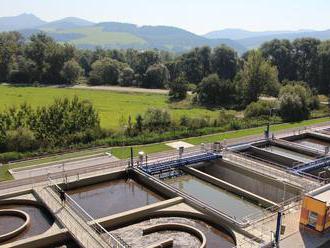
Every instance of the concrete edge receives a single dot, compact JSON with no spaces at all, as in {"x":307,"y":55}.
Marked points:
{"x":41,"y":240}
{"x":20,"y":229}
{"x":176,"y":227}
{"x":130,"y":215}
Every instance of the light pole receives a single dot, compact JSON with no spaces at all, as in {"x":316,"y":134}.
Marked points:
{"x":269,"y":122}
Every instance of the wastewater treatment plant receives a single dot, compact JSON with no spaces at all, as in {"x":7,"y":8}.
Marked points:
{"x":267,"y":192}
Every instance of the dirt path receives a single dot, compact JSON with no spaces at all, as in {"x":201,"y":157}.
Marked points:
{"x":121,"y":89}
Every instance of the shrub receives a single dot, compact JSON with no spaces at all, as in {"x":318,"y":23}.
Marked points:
{"x":21,"y":140}
{"x":156,"y":119}
{"x":259,"y":109}
{"x":295,"y":101}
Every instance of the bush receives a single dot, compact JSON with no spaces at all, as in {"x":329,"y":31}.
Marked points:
{"x":10,"y":156}
{"x":21,"y":140}
{"x":157,"y":119}
{"x":259,"y":109}
{"x":295,"y":101}
{"x":292,"y":108}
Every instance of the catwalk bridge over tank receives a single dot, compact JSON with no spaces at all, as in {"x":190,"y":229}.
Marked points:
{"x":171,"y":166}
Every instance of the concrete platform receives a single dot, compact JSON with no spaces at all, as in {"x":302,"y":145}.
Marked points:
{"x":178,"y":144}
{"x":32,"y":171}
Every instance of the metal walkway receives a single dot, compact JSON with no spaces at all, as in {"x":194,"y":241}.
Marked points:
{"x":160,"y":167}
{"x":314,"y":165}
{"x":79,"y":223}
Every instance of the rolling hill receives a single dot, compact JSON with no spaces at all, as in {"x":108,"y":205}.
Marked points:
{"x":23,"y":21}
{"x":250,"y":39}
{"x":85,"y":34}
{"x":88,"y":35}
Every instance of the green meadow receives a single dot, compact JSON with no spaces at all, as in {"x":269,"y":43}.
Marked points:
{"x":113,"y":107}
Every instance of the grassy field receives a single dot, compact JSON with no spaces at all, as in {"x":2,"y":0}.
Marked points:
{"x":96,"y":36}
{"x":112,"y":106}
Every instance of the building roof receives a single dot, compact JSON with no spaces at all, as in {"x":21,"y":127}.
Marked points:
{"x":322,"y":194}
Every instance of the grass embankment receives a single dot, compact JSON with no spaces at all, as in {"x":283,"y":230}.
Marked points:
{"x":112,"y":106}
{"x":124,"y":152}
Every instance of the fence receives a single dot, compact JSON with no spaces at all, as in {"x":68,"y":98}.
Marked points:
{"x":86,"y":220}
{"x":264,"y":229}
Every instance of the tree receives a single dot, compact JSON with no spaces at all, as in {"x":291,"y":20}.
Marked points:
{"x":71,"y":71}
{"x":23,"y":70}
{"x":10,"y":46}
{"x":214,"y":92}
{"x":281,"y":53}
{"x":306,"y":59}
{"x":127,"y":77}
{"x":36,"y":50}
{"x":191,"y":66}
{"x":204,"y":57}
{"x":157,"y":76}
{"x":224,"y":62}
{"x":138,"y":126}
{"x":144,"y":60}
{"x":104,"y":71}
{"x":178,"y":89}
{"x":295,"y":101}
{"x":324,"y":65}
{"x":258,"y":76}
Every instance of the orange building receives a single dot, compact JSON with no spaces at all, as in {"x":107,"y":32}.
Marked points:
{"x":315,"y":211}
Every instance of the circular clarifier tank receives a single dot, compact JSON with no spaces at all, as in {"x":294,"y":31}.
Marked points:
{"x":139,"y":235}
{"x":39,"y":219}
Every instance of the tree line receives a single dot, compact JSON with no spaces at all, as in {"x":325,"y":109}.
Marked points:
{"x":40,"y":59}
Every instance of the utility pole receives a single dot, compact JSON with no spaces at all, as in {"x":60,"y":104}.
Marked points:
{"x":132,"y":157}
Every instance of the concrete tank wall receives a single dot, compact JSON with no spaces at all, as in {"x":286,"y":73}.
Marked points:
{"x":282,"y":160}
{"x":256,"y":183}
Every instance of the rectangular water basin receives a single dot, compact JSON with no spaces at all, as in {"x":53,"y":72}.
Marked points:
{"x":313,"y":143}
{"x":289,"y":154}
{"x":253,"y":182}
{"x":214,"y":196}
{"x":112,"y":197}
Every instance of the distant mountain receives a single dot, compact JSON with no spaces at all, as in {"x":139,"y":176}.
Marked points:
{"x":85,"y":34}
{"x":250,"y":39}
{"x":165,"y":37}
{"x":66,"y":23}
{"x":236,"y":34}
{"x":23,"y":21}
{"x":254,"y":42}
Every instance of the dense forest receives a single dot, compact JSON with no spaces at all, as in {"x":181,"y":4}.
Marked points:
{"x":294,"y":73}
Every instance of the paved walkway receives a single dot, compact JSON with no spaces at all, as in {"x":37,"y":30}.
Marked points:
{"x":79,"y":229}
{"x":305,"y":238}
{"x":29,"y":171}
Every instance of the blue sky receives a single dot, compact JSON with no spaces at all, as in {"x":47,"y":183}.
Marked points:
{"x":199,"y":16}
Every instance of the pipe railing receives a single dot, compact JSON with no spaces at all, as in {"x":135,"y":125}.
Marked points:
{"x":307,"y":184}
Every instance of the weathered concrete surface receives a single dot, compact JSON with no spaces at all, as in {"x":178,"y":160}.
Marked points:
{"x":32,"y":171}
{"x":138,"y":213}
